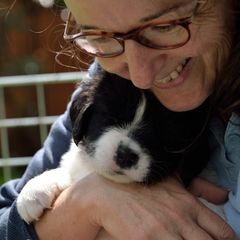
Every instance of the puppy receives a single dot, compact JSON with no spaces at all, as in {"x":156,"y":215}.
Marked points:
{"x":124,"y":134}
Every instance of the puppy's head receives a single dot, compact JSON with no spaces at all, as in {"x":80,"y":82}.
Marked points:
{"x":106,"y":115}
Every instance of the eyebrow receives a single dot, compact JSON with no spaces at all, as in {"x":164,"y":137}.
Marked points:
{"x":145,"y":19}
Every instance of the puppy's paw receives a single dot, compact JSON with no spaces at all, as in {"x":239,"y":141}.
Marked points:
{"x":40,"y":192}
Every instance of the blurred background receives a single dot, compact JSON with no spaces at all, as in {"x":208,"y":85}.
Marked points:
{"x":30,"y":37}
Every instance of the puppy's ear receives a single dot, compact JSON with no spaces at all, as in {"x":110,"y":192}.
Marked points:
{"x":82,"y":106}
{"x":80,"y":113}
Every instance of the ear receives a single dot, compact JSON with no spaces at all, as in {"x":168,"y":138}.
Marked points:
{"x":80,"y":113}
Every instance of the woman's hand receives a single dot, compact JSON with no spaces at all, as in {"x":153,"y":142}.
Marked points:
{"x":162,"y":211}
{"x":130,"y":211}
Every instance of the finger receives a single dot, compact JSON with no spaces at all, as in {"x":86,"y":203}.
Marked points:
{"x":166,"y":236}
{"x":167,"y":232}
{"x":207,"y":190}
{"x":213,"y":224}
{"x":195,"y":232}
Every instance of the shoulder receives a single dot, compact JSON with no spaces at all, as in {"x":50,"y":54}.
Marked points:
{"x":232,"y":136}
{"x":225,"y":150}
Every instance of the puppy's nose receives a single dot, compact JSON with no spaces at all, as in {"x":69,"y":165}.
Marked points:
{"x":125,"y":157}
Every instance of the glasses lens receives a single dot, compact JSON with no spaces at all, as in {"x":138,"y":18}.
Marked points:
{"x":166,"y":35}
{"x":99,"y":45}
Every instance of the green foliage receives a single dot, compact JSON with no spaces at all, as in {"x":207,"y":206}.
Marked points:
{"x":16,"y":172}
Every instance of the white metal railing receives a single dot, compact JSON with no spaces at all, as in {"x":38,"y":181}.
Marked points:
{"x":42,"y":120}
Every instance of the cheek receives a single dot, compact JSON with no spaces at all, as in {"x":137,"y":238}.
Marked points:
{"x":106,"y":64}
{"x":114,"y":65}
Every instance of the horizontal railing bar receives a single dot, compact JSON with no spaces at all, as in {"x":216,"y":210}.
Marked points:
{"x":6,"y":161}
{"x":47,"y":78}
{"x":27,"y":121}
{"x":14,"y":162}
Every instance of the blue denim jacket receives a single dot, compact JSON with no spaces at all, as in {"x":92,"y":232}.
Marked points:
{"x":225,"y":158}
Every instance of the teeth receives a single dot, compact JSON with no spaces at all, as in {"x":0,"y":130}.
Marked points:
{"x":179,"y":68}
{"x":184,"y":62}
{"x":174,"y":74}
{"x":166,"y":79}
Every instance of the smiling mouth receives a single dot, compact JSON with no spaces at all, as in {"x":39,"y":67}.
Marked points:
{"x":175,"y":73}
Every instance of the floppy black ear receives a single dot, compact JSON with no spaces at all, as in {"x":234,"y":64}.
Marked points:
{"x":80,"y":113}
{"x":81,"y":108}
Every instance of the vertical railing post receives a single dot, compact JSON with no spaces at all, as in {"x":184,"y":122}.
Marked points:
{"x":41,"y":111}
{"x":7,"y":174}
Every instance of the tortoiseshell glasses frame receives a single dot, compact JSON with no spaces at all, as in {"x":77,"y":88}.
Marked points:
{"x":94,"y":42}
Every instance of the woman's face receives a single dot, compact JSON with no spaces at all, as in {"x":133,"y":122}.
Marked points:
{"x":151,"y":69}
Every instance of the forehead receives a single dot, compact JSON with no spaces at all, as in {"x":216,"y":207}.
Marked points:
{"x":107,"y":12}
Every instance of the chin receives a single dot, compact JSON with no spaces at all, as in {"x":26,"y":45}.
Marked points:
{"x":182,"y":104}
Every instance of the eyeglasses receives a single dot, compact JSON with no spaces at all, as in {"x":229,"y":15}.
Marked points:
{"x":159,"y":34}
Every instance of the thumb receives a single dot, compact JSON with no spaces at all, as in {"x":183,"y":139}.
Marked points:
{"x":207,"y":190}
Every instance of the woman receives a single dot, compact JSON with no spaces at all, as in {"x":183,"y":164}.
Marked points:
{"x":198,"y":61}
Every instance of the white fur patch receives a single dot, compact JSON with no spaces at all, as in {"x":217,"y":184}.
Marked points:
{"x":45,"y":3}
{"x":77,"y":162}
{"x":139,"y":112}
{"x":106,"y":148}
{"x":40,"y":192}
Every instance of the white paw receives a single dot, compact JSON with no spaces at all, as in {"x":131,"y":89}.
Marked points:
{"x":40,"y":192}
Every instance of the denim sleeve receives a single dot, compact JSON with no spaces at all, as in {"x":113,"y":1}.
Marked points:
{"x":225,"y":157}
{"x":12,"y":227}
{"x":232,"y":149}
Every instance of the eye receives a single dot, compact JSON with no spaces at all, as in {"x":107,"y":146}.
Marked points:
{"x":163,"y":28}
{"x":98,"y":39}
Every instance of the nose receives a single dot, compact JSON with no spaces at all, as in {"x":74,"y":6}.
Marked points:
{"x":141,"y":62}
{"x":125,"y":157}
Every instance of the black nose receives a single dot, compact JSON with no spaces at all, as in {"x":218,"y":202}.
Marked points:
{"x":125,"y":157}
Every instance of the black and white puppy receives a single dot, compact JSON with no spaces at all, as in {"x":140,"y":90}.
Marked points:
{"x":128,"y":135}
{"x":124,"y":134}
